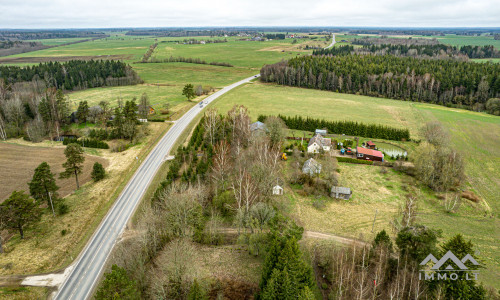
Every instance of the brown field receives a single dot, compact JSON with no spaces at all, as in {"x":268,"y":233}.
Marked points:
{"x":28,"y":59}
{"x":18,"y":163}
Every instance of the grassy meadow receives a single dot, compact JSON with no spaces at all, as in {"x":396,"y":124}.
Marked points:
{"x":475,"y":135}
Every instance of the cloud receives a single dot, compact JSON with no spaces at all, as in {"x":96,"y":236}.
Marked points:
{"x":187,"y":13}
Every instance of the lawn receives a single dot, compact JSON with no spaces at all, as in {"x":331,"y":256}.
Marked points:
{"x":475,"y":135}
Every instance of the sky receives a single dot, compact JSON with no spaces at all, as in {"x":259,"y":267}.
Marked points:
{"x":192,"y":13}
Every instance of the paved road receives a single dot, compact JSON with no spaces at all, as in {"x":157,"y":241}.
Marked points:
{"x":86,"y":270}
{"x":333,"y":42}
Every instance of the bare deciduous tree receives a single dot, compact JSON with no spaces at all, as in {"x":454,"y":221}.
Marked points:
{"x":211,"y":123}
{"x":221,"y":163}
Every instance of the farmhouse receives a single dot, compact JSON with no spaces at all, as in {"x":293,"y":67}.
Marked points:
{"x":318,"y":143}
{"x":340,"y":192}
{"x":311,"y":167}
{"x":369,"y":154}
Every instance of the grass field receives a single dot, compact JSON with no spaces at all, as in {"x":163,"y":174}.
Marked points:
{"x":58,"y":41}
{"x":475,"y":135}
{"x":18,"y":163}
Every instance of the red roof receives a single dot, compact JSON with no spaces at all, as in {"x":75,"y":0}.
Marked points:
{"x":370,"y":152}
{"x":370,"y":143}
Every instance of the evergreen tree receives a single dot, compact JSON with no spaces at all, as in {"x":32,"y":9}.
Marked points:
{"x":188,"y":91}
{"x":82,"y":112}
{"x":417,"y":242}
{"x":196,"y":292}
{"x":98,"y":172}
{"x":74,"y":162}
{"x":19,"y":211}
{"x":383,"y":239}
{"x":43,"y":185}
{"x":306,"y":294}
{"x":461,"y":288}
{"x":117,"y":285}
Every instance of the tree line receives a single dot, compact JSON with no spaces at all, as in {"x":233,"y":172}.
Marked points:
{"x":73,"y":75}
{"x":344,"y":127}
{"x":423,"y":51}
{"x":48,"y":34}
{"x":277,"y":36}
{"x":188,"y":60}
{"x":444,"y":82}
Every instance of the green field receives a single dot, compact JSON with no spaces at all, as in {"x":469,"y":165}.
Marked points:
{"x":164,"y":81}
{"x":475,"y":135}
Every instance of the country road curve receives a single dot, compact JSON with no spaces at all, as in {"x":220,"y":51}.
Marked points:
{"x":333,"y":42}
{"x":86,"y":270}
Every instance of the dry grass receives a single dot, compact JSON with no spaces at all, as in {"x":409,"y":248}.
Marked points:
{"x":18,"y":163}
{"x":372,"y":191}
{"x":23,"y":293}
{"x":44,"y":248}
{"x":228,"y":261}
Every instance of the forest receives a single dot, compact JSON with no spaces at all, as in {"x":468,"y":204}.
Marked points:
{"x":15,"y":47}
{"x":73,"y":75}
{"x":47,"y":34}
{"x":345,"y":127}
{"x":422,"y":51}
{"x":444,"y":82}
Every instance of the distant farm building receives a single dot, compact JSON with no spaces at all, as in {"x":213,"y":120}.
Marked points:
{"x":318,"y":143}
{"x":277,"y":190}
{"x":370,"y":145}
{"x":369,"y":154}
{"x":311,"y":167}
{"x":321,"y":131}
{"x":340,"y":192}
{"x":258,"y":127}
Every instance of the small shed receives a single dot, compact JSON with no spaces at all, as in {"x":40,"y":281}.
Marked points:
{"x":321,"y":131}
{"x":311,"y":167}
{"x":340,"y":192}
{"x":277,"y":190}
{"x":370,"y":145}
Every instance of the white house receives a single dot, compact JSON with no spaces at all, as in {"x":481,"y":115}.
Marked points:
{"x":318,"y":143}
{"x":277,"y":190}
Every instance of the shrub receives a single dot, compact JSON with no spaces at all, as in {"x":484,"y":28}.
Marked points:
{"x":354,"y":161}
{"x":62,"y":209}
{"x":89,"y":143}
{"x":98,"y":172}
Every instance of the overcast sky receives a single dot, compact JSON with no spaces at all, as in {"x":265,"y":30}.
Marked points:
{"x":183,"y":13}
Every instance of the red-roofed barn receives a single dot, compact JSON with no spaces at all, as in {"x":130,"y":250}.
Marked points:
{"x":369,"y":154}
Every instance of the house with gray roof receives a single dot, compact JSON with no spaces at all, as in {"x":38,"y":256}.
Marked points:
{"x":311,"y":167}
{"x":318,"y":143}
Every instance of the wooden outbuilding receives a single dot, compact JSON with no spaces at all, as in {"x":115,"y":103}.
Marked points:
{"x":340,"y":192}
